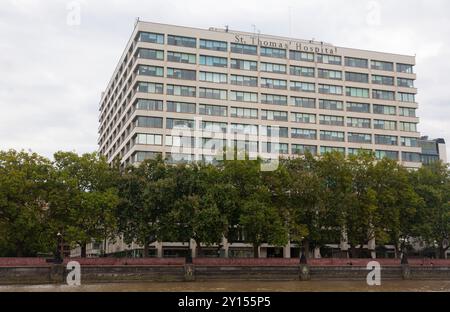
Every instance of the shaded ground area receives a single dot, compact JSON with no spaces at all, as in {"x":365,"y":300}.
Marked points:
{"x":224,"y":286}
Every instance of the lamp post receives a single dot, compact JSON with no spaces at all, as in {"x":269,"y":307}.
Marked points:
{"x":403,"y":242}
{"x":58,"y":254}
{"x":303,"y":259}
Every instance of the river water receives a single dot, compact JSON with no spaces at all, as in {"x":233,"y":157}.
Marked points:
{"x":242,"y":286}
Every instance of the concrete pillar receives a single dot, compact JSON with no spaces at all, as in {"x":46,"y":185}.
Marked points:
{"x":159,"y":249}
{"x":371,"y":245}
{"x":287,"y":251}
{"x":226,"y":247}
{"x":193,"y":248}
{"x":317,"y":254}
{"x":344,"y":246}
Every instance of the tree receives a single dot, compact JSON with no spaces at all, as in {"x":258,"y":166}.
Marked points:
{"x":83,"y":198}
{"x":23,"y":203}
{"x":432,"y":183}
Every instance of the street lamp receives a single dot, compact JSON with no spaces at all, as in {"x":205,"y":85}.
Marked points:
{"x":403,"y":242}
{"x":303,"y":259}
{"x":58,"y":254}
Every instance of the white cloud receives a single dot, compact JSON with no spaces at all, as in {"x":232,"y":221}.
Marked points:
{"x":53,"y":73}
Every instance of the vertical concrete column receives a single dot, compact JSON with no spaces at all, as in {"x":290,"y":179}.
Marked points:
{"x":226,"y":247}
{"x":193,"y":248}
{"x":344,"y":242}
{"x":159,"y":249}
{"x":317,"y":253}
{"x":287,"y":251}
{"x":371,"y":245}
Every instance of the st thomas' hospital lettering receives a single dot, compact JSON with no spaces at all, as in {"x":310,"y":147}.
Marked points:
{"x":288,"y":45}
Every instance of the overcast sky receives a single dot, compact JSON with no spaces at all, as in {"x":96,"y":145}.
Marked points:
{"x":54,"y":65}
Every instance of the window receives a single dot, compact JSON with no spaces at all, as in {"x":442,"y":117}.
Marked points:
{"x":213,"y":77}
{"x":384,"y":124}
{"x":151,"y":54}
{"x":181,"y":90}
{"x":172,"y":123}
{"x":244,"y":129}
{"x":273,"y":52}
{"x":179,"y":57}
{"x":213,"y":45}
{"x":212,"y":110}
{"x":148,"y":139}
{"x":213,"y":61}
{"x":356,"y":77}
{"x":331,"y":120}
{"x":243,"y":64}
{"x":274,"y":115}
{"x":300,"y":149}
{"x":308,"y":134}
{"x":386,"y":140}
{"x":271,"y":147}
{"x":151,"y":37}
{"x":243,"y":96}
{"x":301,"y":71}
{"x":149,"y":122}
{"x":356,"y":62}
{"x":407,"y":112}
{"x":141,"y":156}
{"x":273,"y":68}
{"x":406,"y":97}
{"x":182,"y":41}
{"x":380,"y":65}
{"x":363,"y":138}
{"x":386,"y":154}
{"x":180,"y":107}
{"x":331,"y":105}
{"x":180,"y":141}
{"x":184,"y":74}
{"x":329,"y":74}
{"x":405,"y":68}
{"x":357,"y":92}
{"x":384,"y":109}
{"x":358,"y":107}
{"x":383,"y":95}
{"x":150,"y":87}
{"x":216,"y":94}
{"x":273,"y":83}
{"x":151,"y":105}
{"x":330,"y":89}
{"x":329,"y":59}
{"x":409,"y":142}
{"x":213,"y":126}
{"x":303,"y":86}
{"x":273,"y":99}
{"x":151,"y":71}
{"x":383,"y":80}
{"x":411,"y":157}
{"x":303,"y":102}
{"x":357,"y":151}
{"x":358,"y":122}
{"x":303,"y":118}
{"x":406,"y":83}
{"x":244,"y":49}
{"x":273,"y":131}
{"x":336,"y":136}
{"x":247,"y":81}
{"x":331,"y":149}
{"x":408,"y":126}
{"x":301,"y":56}
{"x":240,"y":112}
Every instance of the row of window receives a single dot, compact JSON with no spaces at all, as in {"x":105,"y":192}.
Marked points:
{"x":275,"y":68}
{"x":216,"y":45}
{"x":302,"y":118}
{"x":297,"y":86}
{"x":157,"y":105}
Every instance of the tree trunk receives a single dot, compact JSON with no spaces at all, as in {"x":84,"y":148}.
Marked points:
{"x":306,"y":247}
{"x":83,"y":250}
{"x":352,"y":252}
{"x":145,"y":255}
{"x":255,"y":251}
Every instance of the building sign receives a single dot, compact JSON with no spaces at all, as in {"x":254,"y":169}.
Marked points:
{"x":312,"y":47}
